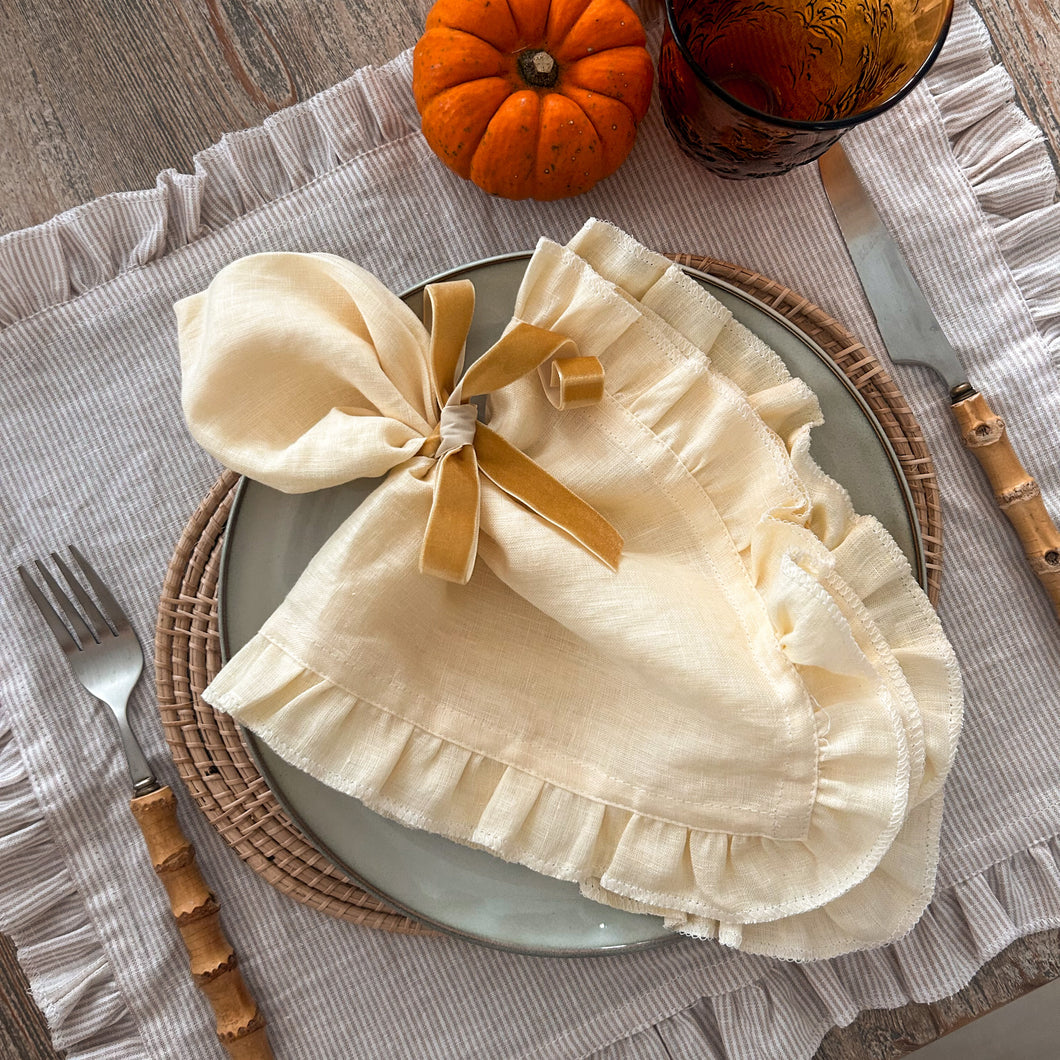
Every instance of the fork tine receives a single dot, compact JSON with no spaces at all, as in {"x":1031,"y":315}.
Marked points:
{"x":101,"y":626}
{"x":76,"y":621}
{"x":115,"y":614}
{"x":55,"y":623}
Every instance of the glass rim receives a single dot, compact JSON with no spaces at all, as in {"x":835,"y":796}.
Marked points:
{"x":829,"y":125}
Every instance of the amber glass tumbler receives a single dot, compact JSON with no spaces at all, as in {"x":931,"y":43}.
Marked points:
{"x":753,"y":88}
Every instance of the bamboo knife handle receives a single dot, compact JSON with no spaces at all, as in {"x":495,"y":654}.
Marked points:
{"x":1016,"y":493}
{"x":240,"y":1024}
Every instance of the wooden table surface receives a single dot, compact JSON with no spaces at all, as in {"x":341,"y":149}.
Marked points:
{"x":102,"y":97}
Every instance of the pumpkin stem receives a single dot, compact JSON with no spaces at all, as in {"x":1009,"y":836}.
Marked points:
{"x":538,"y":68}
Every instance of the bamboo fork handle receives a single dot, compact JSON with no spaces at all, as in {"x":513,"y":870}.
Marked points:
{"x":1016,"y":493}
{"x":240,"y":1024}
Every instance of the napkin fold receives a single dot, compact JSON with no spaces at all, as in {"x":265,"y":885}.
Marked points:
{"x":744,"y":727}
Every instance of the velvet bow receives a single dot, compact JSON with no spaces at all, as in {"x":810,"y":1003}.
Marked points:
{"x":465,"y":447}
{"x":303,"y":371}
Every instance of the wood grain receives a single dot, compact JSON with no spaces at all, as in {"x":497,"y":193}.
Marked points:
{"x":23,"y":1029}
{"x":886,"y":1034}
{"x":102,"y":97}
{"x":1026,"y":36}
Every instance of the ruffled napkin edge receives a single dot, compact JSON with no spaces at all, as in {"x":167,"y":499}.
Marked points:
{"x":341,"y":735}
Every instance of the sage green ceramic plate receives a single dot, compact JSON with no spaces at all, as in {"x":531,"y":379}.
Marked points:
{"x":272,"y":536}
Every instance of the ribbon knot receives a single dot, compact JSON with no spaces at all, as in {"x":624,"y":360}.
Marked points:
{"x":465,"y":447}
{"x":456,"y":427}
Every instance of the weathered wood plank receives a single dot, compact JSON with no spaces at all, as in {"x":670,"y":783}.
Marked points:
{"x":102,"y":97}
{"x":889,"y":1034}
{"x":1026,"y":36}
{"x":23,"y":1030}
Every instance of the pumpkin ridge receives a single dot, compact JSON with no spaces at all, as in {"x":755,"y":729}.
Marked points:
{"x":563,"y":16}
{"x":600,"y":28}
{"x":600,"y":133}
{"x":459,"y":117}
{"x":478,"y":80}
{"x":433,"y":73}
{"x":555,"y":176}
{"x":511,"y":12}
{"x":564,"y":86}
{"x":477,"y":18}
{"x":584,"y":57}
{"x":611,"y":63}
{"x":475,"y":36}
{"x":530,"y":18}
{"x":502,"y":164}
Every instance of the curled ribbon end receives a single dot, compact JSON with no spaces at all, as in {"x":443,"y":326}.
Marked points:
{"x":576,"y":382}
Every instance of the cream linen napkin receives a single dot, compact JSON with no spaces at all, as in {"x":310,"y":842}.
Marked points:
{"x":745,"y":727}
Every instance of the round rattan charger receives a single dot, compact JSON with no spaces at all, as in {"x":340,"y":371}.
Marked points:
{"x":207,"y":747}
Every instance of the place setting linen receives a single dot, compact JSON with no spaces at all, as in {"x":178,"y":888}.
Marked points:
{"x":98,"y":451}
{"x":734,"y":724}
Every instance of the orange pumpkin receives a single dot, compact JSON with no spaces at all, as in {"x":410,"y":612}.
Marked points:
{"x":532,"y":98}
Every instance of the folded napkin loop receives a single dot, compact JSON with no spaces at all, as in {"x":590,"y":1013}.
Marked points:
{"x":465,"y":447}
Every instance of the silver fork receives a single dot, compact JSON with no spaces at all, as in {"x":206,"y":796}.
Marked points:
{"x":101,"y":649}
{"x":107,"y":659}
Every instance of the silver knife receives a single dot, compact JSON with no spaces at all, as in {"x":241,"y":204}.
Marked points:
{"x":912,"y":335}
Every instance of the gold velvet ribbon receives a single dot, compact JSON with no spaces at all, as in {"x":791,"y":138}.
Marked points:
{"x":466,"y":448}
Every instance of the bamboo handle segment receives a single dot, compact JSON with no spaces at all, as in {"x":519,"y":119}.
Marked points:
{"x":240,"y":1024}
{"x":1016,"y":493}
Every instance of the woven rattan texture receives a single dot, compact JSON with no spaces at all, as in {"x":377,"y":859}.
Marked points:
{"x":206,"y":745}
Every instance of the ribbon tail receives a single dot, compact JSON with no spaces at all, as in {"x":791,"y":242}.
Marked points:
{"x":447,"y":312}
{"x":450,"y":541}
{"x":515,"y":473}
{"x":514,"y":354}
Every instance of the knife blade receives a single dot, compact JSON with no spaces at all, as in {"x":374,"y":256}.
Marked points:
{"x":912,"y":334}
